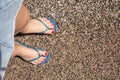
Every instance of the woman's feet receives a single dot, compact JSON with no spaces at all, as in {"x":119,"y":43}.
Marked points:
{"x":33,"y":55}
{"x":40,"y":25}
{"x":30,"y":54}
{"x":25,"y":25}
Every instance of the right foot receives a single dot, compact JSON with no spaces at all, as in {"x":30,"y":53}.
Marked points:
{"x":39,"y":25}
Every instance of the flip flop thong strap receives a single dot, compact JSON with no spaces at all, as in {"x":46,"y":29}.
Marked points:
{"x":37,"y":57}
{"x":47,"y":28}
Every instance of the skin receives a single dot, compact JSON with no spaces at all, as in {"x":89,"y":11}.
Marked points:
{"x":24,"y":24}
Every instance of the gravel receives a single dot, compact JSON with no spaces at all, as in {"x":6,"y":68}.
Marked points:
{"x":86,"y":47}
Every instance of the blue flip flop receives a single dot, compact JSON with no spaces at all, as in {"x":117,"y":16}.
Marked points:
{"x":47,"y":28}
{"x":37,"y":50}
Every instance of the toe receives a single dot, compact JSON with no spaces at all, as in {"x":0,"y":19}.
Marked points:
{"x":35,"y":62}
{"x":44,"y":53}
{"x":50,"y":32}
{"x":39,"y":61}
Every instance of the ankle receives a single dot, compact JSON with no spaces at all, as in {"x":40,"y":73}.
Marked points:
{"x":17,"y":50}
{"x":26,"y":29}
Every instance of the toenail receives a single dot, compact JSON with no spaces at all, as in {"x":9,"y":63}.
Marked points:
{"x":46,"y":53}
{"x":53,"y":32}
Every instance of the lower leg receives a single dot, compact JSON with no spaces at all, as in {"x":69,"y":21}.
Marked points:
{"x":22,"y":19}
{"x":25,"y":25}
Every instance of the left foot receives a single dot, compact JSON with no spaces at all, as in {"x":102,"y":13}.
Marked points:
{"x":31,"y":55}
